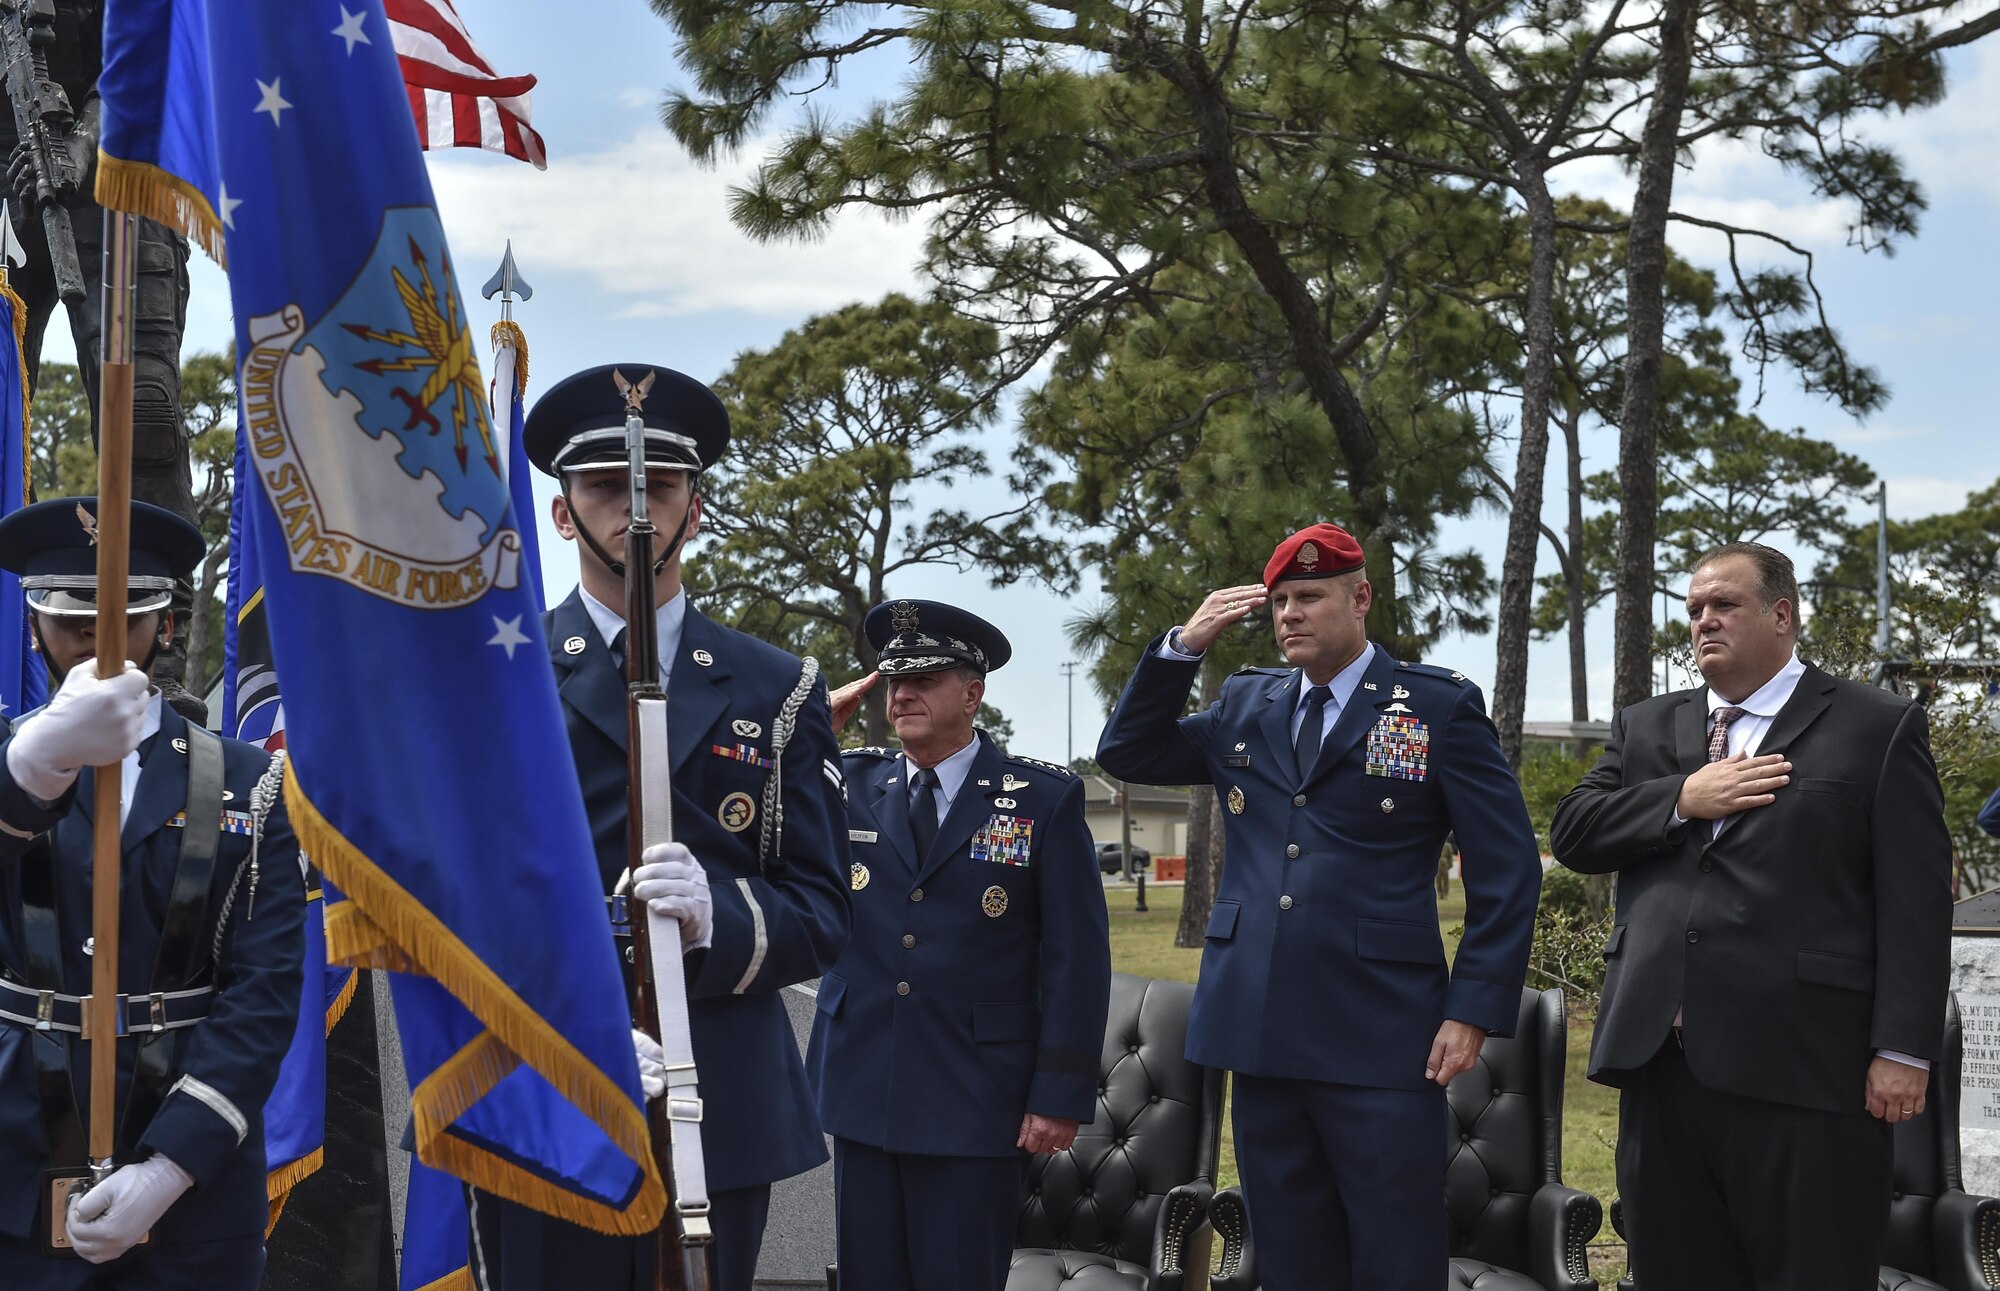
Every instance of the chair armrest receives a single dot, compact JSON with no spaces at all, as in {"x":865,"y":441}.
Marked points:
{"x":1182,"y":1214}
{"x":1965,"y":1234}
{"x":1618,"y":1217}
{"x":1239,"y":1256}
{"x":1561,"y":1222}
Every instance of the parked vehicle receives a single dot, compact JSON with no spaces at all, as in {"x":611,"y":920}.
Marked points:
{"x":1111,"y":858}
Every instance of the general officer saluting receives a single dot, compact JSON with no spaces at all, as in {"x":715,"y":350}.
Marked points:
{"x":1323,"y":981}
{"x":960,"y":1030}
{"x":758,"y":874}
{"x":211,"y":910}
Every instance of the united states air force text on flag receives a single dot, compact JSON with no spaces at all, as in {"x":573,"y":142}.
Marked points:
{"x":421,"y":717}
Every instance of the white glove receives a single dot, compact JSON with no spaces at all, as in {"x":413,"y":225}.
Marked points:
{"x":673,"y":885}
{"x":89,"y":723}
{"x":105,"y":1222}
{"x":652,"y":1064}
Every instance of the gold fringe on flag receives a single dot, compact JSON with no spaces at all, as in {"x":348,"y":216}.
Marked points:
{"x":20,"y":312}
{"x":144,"y":189}
{"x":457,"y":1280}
{"x":508,"y":332}
{"x":279,"y":1183}
{"x":386,"y":919}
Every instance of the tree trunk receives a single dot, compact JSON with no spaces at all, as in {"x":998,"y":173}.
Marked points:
{"x":1639,"y":418}
{"x":1204,"y":843}
{"x":1524,"y":520}
{"x":198,"y":666}
{"x":1578,"y":571}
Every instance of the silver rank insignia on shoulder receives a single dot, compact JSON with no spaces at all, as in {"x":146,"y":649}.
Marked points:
{"x":1388,"y":805}
{"x":573,"y":646}
{"x":1458,"y":676}
{"x":994,"y":901}
{"x":1004,"y":802}
{"x":1236,"y":802}
{"x":857,"y":876}
{"x":703,"y":657}
{"x":747,"y":729}
{"x":1399,"y":692}
{"x":1011,"y":782}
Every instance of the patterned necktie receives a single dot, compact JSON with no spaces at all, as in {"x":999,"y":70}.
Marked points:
{"x":1718,"y":735}
{"x":923,"y":811}
{"x":1306,"y":746}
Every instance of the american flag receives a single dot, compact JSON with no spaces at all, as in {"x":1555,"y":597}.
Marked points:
{"x":458,"y":99}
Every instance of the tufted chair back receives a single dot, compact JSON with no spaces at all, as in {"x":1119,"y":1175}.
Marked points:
{"x":1926,"y":1162}
{"x":1158,"y":1124}
{"x":1504,"y":1134}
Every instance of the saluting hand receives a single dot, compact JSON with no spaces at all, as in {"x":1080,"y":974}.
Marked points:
{"x":1456,"y":1048}
{"x":1224,"y":606}
{"x":846,"y":701}
{"x":1733,"y":784}
{"x":1046,"y":1133}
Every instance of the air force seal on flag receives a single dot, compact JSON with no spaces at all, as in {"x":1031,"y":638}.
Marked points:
{"x":370,"y":434}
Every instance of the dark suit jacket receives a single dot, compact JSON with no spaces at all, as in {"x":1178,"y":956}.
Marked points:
{"x":976,"y":985}
{"x":777,"y":922}
{"x":1809,"y":934}
{"x":214,"y":1130}
{"x":1323,"y":959}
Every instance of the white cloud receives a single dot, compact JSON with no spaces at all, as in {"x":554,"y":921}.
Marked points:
{"x":1849,"y":434}
{"x":651,"y":230}
{"x":1912,"y":496}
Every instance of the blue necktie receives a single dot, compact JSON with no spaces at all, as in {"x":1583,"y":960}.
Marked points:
{"x":1306,"y":746}
{"x":923,"y":811}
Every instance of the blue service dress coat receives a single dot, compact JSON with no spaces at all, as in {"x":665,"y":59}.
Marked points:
{"x":976,"y":985}
{"x":780,"y":918}
{"x":221,"y":1069}
{"x":1323,"y":959}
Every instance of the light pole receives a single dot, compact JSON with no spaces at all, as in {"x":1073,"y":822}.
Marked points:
{"x":1069,"y":738}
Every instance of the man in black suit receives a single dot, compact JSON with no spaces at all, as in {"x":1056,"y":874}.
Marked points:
{"x":1775,"y":979}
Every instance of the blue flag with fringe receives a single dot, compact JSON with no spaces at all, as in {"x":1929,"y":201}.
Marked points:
{"x":427,"y":776}
{"x":24,"y":681}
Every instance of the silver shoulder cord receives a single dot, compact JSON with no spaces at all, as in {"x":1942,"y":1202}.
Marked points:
{"x":262,"y":798}
{"x":771,"y":839}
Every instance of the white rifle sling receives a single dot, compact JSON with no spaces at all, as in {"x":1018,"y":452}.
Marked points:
{"x":663,"y":937}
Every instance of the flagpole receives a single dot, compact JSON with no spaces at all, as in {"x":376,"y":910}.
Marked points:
{"x":114,"y":519}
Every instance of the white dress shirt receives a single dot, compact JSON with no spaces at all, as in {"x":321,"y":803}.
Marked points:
{"x":951,"y":775}
{"x":667,"y":622}
{"x":128,"y":776}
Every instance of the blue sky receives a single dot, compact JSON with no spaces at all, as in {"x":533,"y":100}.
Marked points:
{"x":633,"y":258}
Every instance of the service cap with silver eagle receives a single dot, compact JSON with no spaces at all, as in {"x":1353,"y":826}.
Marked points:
{"x":930,"y":636}
{"x":53,"y":547}
{"x":579,"y":425}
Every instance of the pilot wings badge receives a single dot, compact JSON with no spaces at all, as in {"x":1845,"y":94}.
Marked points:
{"x":363,"y":425}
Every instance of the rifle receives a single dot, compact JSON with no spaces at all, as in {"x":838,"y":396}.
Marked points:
{"x":43,"y":120}
{"x":685,"y":1242}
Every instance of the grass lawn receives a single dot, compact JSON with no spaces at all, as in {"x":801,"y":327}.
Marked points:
{"x":1144,"y":944}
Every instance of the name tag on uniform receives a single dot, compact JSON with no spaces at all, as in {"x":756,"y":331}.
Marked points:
{"x":1236,"y":760}
{"x":1399,"y":748}
{"x":860,"y":835}
{"x":1004,"y":840}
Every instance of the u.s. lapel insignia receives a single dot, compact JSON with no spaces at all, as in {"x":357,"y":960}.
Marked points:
{"x":1009,"y":783}
{"x":1369,"y":685}
{"x":180,"y":745}
{"x":985,"y":784}
{"x":1007,"y":803}
{"x":703,"y":657}
{"x":573,"y":646}
{"x":747,"y":729}
{"x":1236,"y":802}
{"x":857,"y":876}
{"x":1399,"y":692}
{"x":736,"y":812}
{"x":994,"y":901}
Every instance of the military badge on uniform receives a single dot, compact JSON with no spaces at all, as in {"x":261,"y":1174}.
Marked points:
{"x":1010,"y":782}
{"x":1236,"y":803}
{"x":1400,"y":692}
{"x":180,"y":745}
{"x":1388,"y":805}
{"x":742,"y":753}
{"x":1399,"y":747}
{"x":749,"y":730}
{"x":573,"y":646}
{"x":1308,"y":557}
{"x":994,"y":901}
{"x":1006,"y":803}
{"x":1004,"y":840}
{"x":736,"y":812}
{"x":857,"y":876}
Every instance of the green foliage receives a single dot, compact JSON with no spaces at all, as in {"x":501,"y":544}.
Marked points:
{"x":1548,"y":772}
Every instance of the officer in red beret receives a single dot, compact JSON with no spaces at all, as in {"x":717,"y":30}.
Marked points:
{"x":1324,"y":985}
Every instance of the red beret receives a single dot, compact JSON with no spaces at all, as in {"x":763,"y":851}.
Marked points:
{"x":1318,"y":551}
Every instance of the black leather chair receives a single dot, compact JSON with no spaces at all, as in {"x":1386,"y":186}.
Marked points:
{"x":1126,"y":1207}
{"x":1941,"y":1238}
{"x":1514,"y":1225}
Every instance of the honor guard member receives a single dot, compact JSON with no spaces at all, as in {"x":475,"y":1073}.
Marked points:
{"x":1324,"y":985}
{"x":758,"y":871}
{"x":211,"y":909}
{"x":961,"y":1029}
